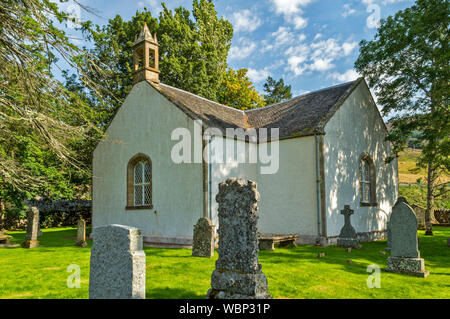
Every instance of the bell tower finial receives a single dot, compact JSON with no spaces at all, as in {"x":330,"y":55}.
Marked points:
{"x":145,"y":57}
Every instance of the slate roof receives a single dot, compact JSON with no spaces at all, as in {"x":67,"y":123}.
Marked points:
{"x":301,"y":116}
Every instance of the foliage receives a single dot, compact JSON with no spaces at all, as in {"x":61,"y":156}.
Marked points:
{"x":43,"y":125}
{"x":238,"y":91}
{"x":417,"y":194}
{"x":276,"y":91}
{"x":407,"y":65}
{"x":173,"y":273}
{"x":193,"y":52}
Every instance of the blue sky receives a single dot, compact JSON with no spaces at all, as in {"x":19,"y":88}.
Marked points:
{"x":311,"y":44}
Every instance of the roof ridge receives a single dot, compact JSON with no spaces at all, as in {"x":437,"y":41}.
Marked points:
{"x":302,"y":95}
{"x":203,"y":98}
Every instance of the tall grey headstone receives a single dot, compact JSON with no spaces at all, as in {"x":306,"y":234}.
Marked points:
{"x":405,"y":255}
{"x":81,"y":234}
{"x":203,"y":242}
{"x":238,"y":272}
{"x":348,"y":236}
{"x":117,"y":269}
{"x":32,"y":229}
{"x":400,"y":199}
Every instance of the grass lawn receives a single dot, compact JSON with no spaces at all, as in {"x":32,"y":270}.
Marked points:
{"x":172,"y":273}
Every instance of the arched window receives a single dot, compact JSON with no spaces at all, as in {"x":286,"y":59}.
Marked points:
{"x":139,"y":182}
{"x":367,"y":181}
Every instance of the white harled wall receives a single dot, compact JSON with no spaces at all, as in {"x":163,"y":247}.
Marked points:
{"x":144,"y":124}
{"x":288,"y":198}
{"x":357,"y":128}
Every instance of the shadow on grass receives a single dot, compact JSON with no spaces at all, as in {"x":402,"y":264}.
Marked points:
{"x":432,"y":248}
{"x":172,"y":293}
{"x":50,"y":238}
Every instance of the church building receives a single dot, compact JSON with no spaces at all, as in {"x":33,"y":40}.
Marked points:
{"x":317,"y":152}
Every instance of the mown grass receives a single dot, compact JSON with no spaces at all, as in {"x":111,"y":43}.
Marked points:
{"x":172,"y":273}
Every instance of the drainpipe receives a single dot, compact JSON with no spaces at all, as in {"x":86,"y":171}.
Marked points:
{"x":318,"y":182}
{"x":205,"y":174}
{"x":209,"y":178}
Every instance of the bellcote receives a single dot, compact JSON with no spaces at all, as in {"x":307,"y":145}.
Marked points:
{"x":146,"y":57}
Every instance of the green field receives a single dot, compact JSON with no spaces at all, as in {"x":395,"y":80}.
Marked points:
{"x":172,"y":273}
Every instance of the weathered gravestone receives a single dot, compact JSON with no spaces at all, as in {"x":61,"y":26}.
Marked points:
{"x":81,"y":234}
{"x":400,"y":199}
{"x":405,"y":255}
{"x":117,"y":269}
{"x":238,"y":272}
{"x":32,"y":229}
{"x":203,"y":242}
{"x":347,"y":236}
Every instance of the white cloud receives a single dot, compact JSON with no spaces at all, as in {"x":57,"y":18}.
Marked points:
{"x":294,"y":64}
{"x":348,"y":47}
{"x":298,"y":21}
{"x":245,"y":21}
{"x":292,"y":12}
{"x":258,"y":75}
{"x":348,"y":11}
{"x":317,"y":36}
{"x":347,"y":76}
{"x":242,"y":51}
{"x":283,"y":36}
{"x":321,"y":65}
{"x":154,"y":6}
{"x":318,"y":56}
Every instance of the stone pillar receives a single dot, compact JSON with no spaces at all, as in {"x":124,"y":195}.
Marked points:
{"x":81,"y":234}
{"x":347,"y":236}
{"x":238,"y":272}
{"x":117,"y":269}
{"x":405,"y":255}
{"x":203,"y":243}
{"x":32,"y":229}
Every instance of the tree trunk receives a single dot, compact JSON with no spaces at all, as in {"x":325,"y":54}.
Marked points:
{"x":429,"y":213}
{"x":2,"y":213}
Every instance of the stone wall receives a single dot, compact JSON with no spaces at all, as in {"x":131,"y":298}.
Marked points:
{"x":51,"y":214}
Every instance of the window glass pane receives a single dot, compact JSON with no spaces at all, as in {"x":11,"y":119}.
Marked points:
{"x":366,"y":172}
{"x":147,"y":194}
{"x":137,"y":195}
{"x":138,"y":174}
{"x":365,"y":192}
{"x":147,"y":173}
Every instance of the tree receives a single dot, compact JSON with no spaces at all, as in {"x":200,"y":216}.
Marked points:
{"x":407,"y":64}
{"x":237,"y":91}
{"x":42,"y":124}
{"x":276,"y":91}
{"x":193,"y":51}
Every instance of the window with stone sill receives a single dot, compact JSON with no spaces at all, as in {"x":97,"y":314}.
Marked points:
{"x":139,"y":183}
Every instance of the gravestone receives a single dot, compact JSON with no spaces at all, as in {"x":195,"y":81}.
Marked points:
{"x":32,"y":229}
{"x":117,"y":269}
{"x":81,"y":234}
{"x":405,"y":255}
{"x":203,"y":242}
{"x":400,"y":199}
{"x":347,"y":236}
{"x":238,"y":272}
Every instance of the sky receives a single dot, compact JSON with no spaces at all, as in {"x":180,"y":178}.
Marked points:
{"x":311,"y":44}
